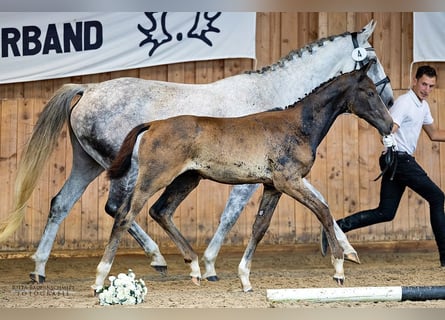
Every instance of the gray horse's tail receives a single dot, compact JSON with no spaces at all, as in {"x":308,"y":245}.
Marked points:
{"x":37,"y":151}
{"x":122,"y":162}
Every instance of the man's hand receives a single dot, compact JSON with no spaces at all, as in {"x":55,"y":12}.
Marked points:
{"x":388,"y":141}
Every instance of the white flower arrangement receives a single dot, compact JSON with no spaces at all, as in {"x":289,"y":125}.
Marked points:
{"x":123,"y":289}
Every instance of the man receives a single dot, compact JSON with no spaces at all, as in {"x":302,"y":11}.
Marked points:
{"x":410,"y":113}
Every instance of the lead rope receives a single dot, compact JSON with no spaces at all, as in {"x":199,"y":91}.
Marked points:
{"x":390,"y":161}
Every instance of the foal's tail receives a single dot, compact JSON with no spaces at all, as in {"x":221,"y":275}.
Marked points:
{"x":37,"y":151}
{"x":122,"y":162}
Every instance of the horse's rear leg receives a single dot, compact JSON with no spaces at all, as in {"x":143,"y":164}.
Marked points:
{"x":83,"y":172}
{"x":119,"y":189}
{"x":162,"y":212}
{"x":150,"y":247}
{"x":268,"y":204}
{"x":238,"y":198}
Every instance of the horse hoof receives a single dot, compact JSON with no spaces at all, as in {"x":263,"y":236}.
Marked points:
{"x":353,"y":257}
{"x":161,"y":269}
{"x":37,"y":278}
{"x":339,"y":281}
{"x":212,"y":278}
{"x":323,"y":242}
{"x":196,"y":280}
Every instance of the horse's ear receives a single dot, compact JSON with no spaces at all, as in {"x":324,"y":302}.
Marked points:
{"x":367,"y":30}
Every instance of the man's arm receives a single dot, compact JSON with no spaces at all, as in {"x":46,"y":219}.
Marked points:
{"x":433,"y":133}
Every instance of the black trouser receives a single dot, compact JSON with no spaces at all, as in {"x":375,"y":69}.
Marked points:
{"x":408,"y":173}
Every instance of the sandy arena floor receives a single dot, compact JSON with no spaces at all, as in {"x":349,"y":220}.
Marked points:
{"x":69,"y":280}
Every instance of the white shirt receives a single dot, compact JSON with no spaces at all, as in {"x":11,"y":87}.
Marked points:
{"x":410,"y":114}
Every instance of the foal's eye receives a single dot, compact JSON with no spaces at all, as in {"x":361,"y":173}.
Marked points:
{"x":370,"y":94}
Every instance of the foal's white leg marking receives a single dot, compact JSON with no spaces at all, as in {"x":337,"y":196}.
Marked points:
{"x":339,"y":271}
{"x":244,"y":273}
{"x":196,"y":272}
{"x":102,"y":271}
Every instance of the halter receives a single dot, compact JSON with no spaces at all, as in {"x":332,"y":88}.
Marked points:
{"x":361,"y":62}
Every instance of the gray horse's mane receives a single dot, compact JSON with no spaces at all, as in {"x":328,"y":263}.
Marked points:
{"x":306,"y":96}
{"x":298,"y":53}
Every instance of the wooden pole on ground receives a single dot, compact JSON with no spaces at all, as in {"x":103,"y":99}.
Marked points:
{"x":392,"y":293}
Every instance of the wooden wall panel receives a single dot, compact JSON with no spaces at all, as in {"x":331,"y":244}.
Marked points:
{"x":346,"y":164}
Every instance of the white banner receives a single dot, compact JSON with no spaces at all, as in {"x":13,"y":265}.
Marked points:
{"x":47,"y":45}
{"x":429,"y":36}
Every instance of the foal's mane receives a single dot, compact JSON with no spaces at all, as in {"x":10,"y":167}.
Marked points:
{"x":298,"y":53}
{"x":306,"y":96}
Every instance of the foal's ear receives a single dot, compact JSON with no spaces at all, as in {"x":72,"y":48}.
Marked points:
{"x":368,"y":65}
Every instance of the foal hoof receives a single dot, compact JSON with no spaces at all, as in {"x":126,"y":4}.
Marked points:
{"x":196,"y":280}
{"x":212,"y":278}
{"x":36,"y":278}
{"x":339,"y":281}
{"x":353,"y":257}
{"x":161,"y":269}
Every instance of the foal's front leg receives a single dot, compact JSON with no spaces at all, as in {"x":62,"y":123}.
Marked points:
{"x":268,"y":204}
{"x":302,"y":191}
